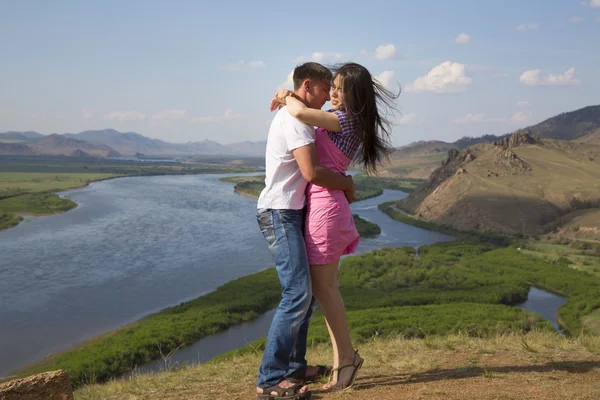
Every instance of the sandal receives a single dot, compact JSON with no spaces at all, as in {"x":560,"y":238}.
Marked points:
{"x":281,"y":391}
{"x":354,"y":373}
{"x":323,"y":371}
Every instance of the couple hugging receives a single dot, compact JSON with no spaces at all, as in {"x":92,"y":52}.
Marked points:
{"x":304,"y":214}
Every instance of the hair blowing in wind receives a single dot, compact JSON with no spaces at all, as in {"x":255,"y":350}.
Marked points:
{"x":364,"y":100}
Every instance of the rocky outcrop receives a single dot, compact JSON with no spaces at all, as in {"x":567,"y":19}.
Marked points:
{"x":517,"y":139}
{"x":54,"y":385}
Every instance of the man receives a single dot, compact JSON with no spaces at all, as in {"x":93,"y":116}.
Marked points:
{"x":291,"y":162}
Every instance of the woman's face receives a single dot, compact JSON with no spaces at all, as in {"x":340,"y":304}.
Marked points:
{"x":337,"y":96}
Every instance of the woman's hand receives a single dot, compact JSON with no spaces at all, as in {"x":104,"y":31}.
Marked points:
{"x":280,"y":99}
{"x":295,"y":107}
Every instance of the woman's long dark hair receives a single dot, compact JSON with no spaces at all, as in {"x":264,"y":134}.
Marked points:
{"x":363,"y":96}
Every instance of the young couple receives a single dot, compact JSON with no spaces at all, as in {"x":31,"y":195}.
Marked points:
{"x":304,"y":215}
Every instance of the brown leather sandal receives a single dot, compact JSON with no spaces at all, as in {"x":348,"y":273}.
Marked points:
{"x":352,"y":377}
{"x":323,"y":371}
{"x":281,"y":393}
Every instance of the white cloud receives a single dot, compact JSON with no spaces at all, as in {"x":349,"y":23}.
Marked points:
{"x":534,"y":78}
{"x":125,"y":116}
{"x":448,"y":77}
{"x":575,"y":20}
{"x":169,"y":115}
{"x":520,"y":117}
{"x":590,"y":3}
{"x":243,"y":64}
{"x":289,"y":82}
{"x":406,"y":119}
{"x":527,"y":27}
{"x":228,"y":115}
{"x":516,"y":118}
{"x":470,"y":119}
{"x":320,"y":57}
{"x":382,"y":52}
{"x":463,"y":38}
{"x":386,"y":79}
{"x":385,"y":51}
{"x":257,"y":64}
{"x":522,"y":103}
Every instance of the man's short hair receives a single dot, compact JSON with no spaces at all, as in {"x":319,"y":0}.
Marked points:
{"x":313,"y":71}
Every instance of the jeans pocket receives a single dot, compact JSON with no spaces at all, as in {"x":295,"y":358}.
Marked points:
{"x":265,"y":223}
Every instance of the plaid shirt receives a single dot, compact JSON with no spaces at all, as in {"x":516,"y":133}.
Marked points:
{"x":348,"y":139}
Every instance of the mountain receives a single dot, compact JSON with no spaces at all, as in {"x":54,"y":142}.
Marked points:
{"x":423,"y":147}
{"x":16,"y":149}
{"x":127,"y":143}
{"x":416,"y":160}
{"x":19,"y":136}
{"x":519,"y":185}
{"x":131,"y":143}
{"x":566,"y":126}
{"x":65,"y":146}
{"x":592,"y":138}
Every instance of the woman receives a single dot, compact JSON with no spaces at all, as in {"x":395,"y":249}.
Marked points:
{"x":352,"y":131}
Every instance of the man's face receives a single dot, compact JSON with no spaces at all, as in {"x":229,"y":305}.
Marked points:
{"x":318,"y":94}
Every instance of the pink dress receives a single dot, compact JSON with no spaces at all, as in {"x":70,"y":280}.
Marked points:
{"x":329,"y":227}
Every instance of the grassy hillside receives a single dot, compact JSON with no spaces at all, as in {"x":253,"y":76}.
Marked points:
{"x":413,"y":165}
{"x":455,"y":367}
{"x":446,"y":288}
{"x":524,"y":189}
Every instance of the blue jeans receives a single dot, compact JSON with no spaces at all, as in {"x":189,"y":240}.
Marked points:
{"x":285,"y":350}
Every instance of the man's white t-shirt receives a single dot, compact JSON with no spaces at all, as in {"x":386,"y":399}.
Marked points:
{"x":284,"y":182}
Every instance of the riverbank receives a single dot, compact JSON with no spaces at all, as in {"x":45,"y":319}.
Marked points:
{"x":366,"y":187}
{"x":386,"y":292}
{"x":535,"y":365}
{"x":251,"y":186}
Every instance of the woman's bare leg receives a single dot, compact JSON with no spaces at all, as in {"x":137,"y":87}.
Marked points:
{"x":326,"y":291}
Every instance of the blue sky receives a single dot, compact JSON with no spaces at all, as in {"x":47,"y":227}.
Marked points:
{"x":193,"y":70}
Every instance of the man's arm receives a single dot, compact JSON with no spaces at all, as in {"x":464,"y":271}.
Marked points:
{"x":306,"y":157}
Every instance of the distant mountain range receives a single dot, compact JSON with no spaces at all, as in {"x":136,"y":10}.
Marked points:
{"x":112,"y":143}
{"x":582,"y":126}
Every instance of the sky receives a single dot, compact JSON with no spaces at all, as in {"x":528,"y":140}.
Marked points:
{"x":193,"y":70}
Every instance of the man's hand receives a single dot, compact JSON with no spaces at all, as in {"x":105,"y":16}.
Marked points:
{"x":350,"y":191}
{"x":280,"y":99}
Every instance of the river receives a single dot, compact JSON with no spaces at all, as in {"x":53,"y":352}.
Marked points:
{"x":134,"y":246}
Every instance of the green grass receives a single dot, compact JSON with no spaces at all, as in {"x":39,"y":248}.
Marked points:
{"x":37,"y":204}
{"x":366,"y":187}
{"x":583,"y":256}
{"x":409,"y":322}
{"x":9,"y":220}
{"x":378,"y":288}
{"x":365,"y":228}
{"x":19,"y":183}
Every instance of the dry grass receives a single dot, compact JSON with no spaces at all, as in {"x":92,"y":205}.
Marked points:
{"x":533,"y":366}
{"x":512,"y":195}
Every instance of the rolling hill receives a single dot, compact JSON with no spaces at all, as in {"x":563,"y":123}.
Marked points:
{"x":520,"y":185}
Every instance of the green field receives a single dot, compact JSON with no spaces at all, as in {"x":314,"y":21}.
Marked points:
{"x":583,"y":256}
{"x":365,"y":228}
{"x":463,"y":286}
{"x":366,"y":187}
